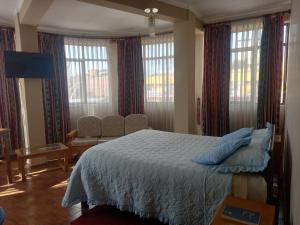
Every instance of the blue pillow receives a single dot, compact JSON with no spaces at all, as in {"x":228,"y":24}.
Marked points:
{"x":269,"y":125}
{"x":266,"y":141}
{"x":222,"y":150}
{"x":241,"y":133}
{"x":251,"y":158}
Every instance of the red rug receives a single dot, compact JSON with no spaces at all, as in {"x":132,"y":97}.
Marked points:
{"x":107,"y":215}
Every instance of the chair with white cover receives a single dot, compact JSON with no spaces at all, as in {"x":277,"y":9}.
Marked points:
{"x":135,"y":122}
{"x":86,"y":135}
{"x":112,"y":128}
{"x":89,"y":130}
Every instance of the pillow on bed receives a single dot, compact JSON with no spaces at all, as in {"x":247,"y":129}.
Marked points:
{"x":222,"y":150}
{"x":251,"y":158}
{"x":241,"y":133}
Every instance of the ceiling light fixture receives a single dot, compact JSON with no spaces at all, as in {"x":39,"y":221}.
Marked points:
{"x":150,"y":15}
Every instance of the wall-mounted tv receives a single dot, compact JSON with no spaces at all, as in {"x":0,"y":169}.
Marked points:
{"x":28,"y":65}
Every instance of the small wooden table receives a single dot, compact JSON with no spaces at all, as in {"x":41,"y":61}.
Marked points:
{"x":267,"y":212}
{"x":51,"y":150}
{"x":3,"y":132}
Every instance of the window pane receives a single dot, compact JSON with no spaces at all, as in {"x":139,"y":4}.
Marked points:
{"x":73,"y":51}
{"x":245,"y":52}
{"x":158,"y":60}
{"x":97,"y":82}
{"x":74,"y":74}
{"x":285,"y":33}
{"x":283,"y":73}
{"x":88,"y":77}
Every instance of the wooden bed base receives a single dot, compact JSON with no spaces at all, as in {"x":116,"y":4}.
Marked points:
{"x":84,"y":206}
{"x":268,"y":173}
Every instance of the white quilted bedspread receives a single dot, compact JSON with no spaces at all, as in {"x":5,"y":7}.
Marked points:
{"x":151,"y":174}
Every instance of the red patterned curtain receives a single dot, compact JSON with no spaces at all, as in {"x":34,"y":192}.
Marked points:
{"x":55,"y":90}
{"x":131,"y":76}
{"x":215,"y":105}
{"x":10,"y":115}
{"x":270,"y":73}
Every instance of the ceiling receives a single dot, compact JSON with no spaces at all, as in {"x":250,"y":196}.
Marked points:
{"x":221,"y":10}
{"x":78,"y":16}
{"x":74,"y":17}
{"x":8,"y":10}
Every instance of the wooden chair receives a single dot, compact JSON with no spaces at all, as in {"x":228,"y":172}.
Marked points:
{"x":135,"y":122}
{"x":3,"y":132}
{"x":85,"y":136}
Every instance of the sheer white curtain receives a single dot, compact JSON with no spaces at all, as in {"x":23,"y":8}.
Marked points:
{"x":158,"y":62}
{"x":245,"y":54}
{"x":92,"y":77}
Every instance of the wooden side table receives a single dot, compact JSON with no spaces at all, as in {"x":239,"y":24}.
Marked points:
{"x":267,"y":212}
{"x":3,"y":132}
{"x":51,"y":150}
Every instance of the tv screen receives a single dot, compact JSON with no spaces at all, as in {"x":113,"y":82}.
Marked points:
{"x":28,"y":65}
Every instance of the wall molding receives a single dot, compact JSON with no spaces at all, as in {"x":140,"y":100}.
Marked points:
{"x":6,"y":23}
{"x":104,"y":34}
{"x":91,"y":33}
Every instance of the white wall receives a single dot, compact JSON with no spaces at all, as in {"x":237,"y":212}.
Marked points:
{"x":184,"y":76}
{"x":293,"y":109}
{"x":26,"y":39}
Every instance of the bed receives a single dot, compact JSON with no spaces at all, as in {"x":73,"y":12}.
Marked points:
{"x":151,"y":174}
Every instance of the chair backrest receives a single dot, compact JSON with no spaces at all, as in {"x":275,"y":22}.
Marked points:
{"x":113,"y":126}
{"x":135,"y":122}
{"x":89,"y":126}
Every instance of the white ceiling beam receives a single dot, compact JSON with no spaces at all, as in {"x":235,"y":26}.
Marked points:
{"x":33,"y":10}
{"x":166,"y":11}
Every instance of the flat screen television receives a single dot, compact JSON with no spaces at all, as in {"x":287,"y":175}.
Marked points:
{"x":28,"y":65}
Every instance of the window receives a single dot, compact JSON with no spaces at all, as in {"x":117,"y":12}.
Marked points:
{"x":245,"y":54}
{"x":284,"y":61}
{"x":87,"y":71}
{"x":158,"y":64}
{"x":244,"y":74}
{"x":244,"y":77}
{"x":92,"y":77}
{"x":158,"y":60}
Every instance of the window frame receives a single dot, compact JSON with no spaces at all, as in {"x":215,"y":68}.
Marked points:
{"x":255,"y":53}
{"x":168,"y":58}
{"x":82,"y":60}
{"x":284,"y":67}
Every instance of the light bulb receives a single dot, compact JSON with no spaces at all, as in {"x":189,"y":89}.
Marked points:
{"x":154,"y":10}
{"x":147,"y":10}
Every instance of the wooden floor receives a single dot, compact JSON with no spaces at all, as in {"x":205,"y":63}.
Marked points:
{"x":37,"y":201}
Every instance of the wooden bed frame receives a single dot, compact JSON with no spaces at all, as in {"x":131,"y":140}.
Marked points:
{"x":285,"y":177}
{"x":268,"y":173}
